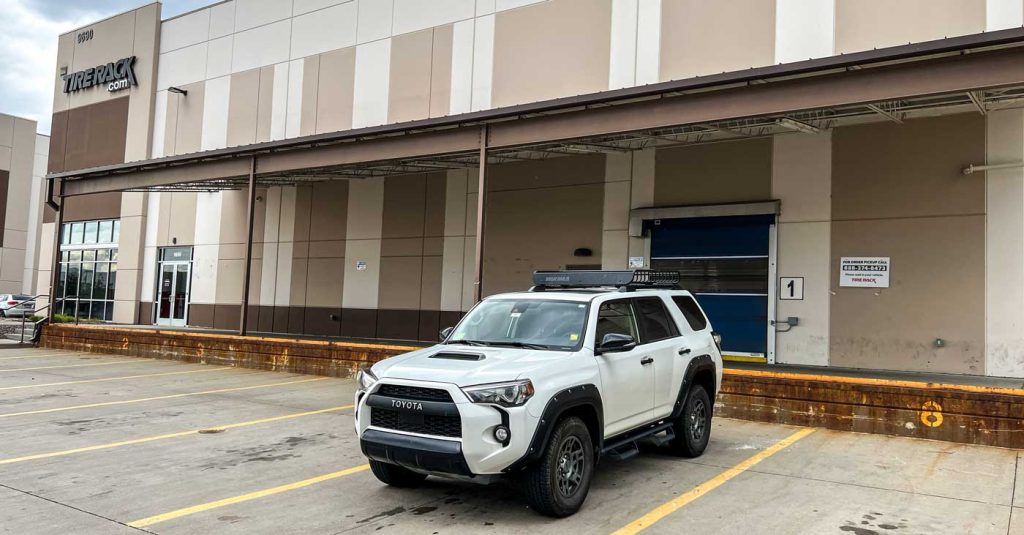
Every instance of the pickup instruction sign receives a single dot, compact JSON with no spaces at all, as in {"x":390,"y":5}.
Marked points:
{"x":864,"y":271}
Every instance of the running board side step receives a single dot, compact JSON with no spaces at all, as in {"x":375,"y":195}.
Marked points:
{"x":625,"y":446}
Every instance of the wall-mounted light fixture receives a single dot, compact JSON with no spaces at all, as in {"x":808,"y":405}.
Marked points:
{"x":178,"y":90}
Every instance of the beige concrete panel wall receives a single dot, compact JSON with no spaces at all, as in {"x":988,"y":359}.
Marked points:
{"x":867,"y":24}
{"x":927,"y":211}
{"x":410,"y":78}
{"x":19,"y":184}
{"x":1004,"y":246}
{"x":65,"y":56}
{"x":45,"y":259}
{"x":309,"y":103}
{"x":266,"y":103}
{"x":242,"y":107}
{"x":801,"y":181}
{"x":206,"y":247}
{"x":130,"y":258}
{"x":917,"y":165}
{"x":364,"y":228}
{"x":580,"y":30}
{"x":182,"y":220}
{"x":335,"y":82}
{"x":300,"y":285}
{"x":641,"y":195}
{"x":441,"y":71}
{"x":170,"y":125}
{"x":286,"y":231}
{"x":188,"y":135}
{"x":325,"y":281}
{"x":618,"y":176}
{"x":453,"y":247}
{"x":714,"y":173}
{"x":699,"y":37}
{"x":231,"y":251}
{"x":561,"y":193}
{"x":329,"y":211}
{"x":933,"y":294}
{"x":145,"y":46}
{"x":271,"y":231}
{"x":113,"y":39}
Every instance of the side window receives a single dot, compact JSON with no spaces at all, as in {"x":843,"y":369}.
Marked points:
{"x":655,"y":323}
{"x":615,"y":317}
{"x":691,"y":311}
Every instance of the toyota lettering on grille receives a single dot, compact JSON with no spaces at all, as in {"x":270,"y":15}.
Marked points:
{"x":408,"y":405}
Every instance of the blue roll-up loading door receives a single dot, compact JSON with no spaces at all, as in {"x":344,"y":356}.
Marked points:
{"x":724,"y":262}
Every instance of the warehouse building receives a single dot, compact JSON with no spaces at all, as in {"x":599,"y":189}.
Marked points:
{"x":22,"y":168}
{"x":838,"y":187}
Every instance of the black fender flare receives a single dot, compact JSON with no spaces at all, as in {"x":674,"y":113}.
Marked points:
{"x":577,"y":396}
{"x":696,"y":365}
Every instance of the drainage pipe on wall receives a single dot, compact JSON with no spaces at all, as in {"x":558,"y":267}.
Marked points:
{"x":975,"y":168}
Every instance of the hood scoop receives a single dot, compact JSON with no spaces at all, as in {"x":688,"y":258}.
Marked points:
{"x":450,"y":355}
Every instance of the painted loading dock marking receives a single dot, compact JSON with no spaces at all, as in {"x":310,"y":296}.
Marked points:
{"x":112,"y":379}
{"x":681,"y":501}
{"x":149,"y":521}
{"x":166,"y":436}
{"x":170,"y":396}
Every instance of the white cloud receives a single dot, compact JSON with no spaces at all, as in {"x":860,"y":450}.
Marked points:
{"x":28,"y":51}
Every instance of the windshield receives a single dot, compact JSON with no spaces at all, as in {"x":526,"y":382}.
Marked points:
{"x":531,"y":323}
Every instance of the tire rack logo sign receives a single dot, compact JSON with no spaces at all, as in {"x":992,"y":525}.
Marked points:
{"x":116,"y":75}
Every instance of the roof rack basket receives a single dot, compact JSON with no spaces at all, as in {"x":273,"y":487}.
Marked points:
{"x":623,"y":280}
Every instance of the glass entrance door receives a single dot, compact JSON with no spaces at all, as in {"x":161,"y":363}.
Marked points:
{"x":175,"y":277}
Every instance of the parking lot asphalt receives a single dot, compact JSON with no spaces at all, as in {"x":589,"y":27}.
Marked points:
{"x":105,"y":444}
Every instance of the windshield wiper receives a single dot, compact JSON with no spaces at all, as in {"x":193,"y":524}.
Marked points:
{"x":467,"y":342}
{"x":523,"y":345}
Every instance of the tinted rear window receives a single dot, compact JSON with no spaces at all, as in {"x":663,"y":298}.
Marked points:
{"x":22,"y":297}
{"x":655,"y":323}
{"x":691,"y":311}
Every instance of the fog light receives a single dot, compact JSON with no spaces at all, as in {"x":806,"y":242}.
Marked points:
{"x":501,"y":434}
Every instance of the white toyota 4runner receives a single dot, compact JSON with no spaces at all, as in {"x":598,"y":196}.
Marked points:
{"x":537,"y":386}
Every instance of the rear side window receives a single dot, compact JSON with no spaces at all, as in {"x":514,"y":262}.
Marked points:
{"x":691,"y":311}
{"x":655,"y":323}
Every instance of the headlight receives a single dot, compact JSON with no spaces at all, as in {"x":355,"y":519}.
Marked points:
{"x":512,"y":394}
{"x":365,"y":379}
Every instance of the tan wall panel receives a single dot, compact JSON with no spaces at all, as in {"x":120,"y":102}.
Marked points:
{"x":404,"y":205}
{"x":140,"y":110}
{"x":95,"y":134}
{"x":329,"y":211}
{"x":189,"y":133}
{"x":324,"y":282}
{"x":336,"y":83}
{"x":700,"y":37}
{"x":113,"y":39}
{"x":410,"y":79}
{"x":934,"y":293}
{"x":552,"y":49}
{"x":400,"y":282}
{"x":866,"y":24}
{"x":519,"y":237}
{"x":731,"y":171}
{"x":430,"y":294}
{"x":171,"y":123}
{"x":441,"y":71}
{"x":182,"y":225}
{"x":433,"y":219}
{"x":242,"y":108}
{"x":562,"y":171}
{"x":917,"y":166}
{"x":266,"y":99}
{"x":310,"y":87}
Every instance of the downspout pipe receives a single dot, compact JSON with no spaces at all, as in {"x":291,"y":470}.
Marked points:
{"x":49,"y":194}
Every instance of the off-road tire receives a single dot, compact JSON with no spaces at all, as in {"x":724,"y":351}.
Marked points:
{"x":693,"y":427}
{"x":568,"y":457}
{"x":395,"y":475}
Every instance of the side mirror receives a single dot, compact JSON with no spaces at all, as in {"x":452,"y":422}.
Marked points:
{"x":447,"y":331}
{"x":616,"y":343}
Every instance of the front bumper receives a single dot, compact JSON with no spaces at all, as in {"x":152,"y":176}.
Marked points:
{"x":415,"y":452}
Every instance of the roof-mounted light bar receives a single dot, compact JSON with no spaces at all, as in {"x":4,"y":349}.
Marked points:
{"x":623,"y":280}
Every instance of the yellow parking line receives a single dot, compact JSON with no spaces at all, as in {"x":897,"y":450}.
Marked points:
{"x":170,"y":396}
{"x":73,"y":365}
{"x":40,"y":356}
{"x":679,"y":502}
{"x":168,"y":435}
{"x":149,"y":521}
{"x":112,"y":379}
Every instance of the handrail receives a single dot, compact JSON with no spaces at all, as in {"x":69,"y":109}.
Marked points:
{"x":38,"y":323}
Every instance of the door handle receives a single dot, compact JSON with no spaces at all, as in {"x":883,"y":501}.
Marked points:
{"x":646,"y":360}
{"x":684,"y":351}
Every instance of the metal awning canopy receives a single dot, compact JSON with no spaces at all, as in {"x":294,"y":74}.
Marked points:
{"x":980,"y":72}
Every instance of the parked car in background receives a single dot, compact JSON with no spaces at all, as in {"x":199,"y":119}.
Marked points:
{"x":16,"y":305}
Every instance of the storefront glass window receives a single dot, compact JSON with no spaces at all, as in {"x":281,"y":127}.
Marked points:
{"x":88,"y":269}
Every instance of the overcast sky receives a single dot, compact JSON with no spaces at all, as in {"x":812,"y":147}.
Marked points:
{"x":28,"y":46}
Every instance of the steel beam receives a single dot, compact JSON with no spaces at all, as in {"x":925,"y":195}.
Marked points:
{"x":248,"y":247}
{"x":481,"y":213}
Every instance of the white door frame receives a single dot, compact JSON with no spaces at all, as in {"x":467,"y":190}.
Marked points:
{"x":174,"y":287}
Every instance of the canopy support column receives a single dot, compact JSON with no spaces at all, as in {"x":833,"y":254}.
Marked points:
{"x":244,"y":316}
{"x":481,"y":205}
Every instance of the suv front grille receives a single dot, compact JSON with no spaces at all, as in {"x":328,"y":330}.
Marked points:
{"x":424,"y":424}
{"x":415,"y":392}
